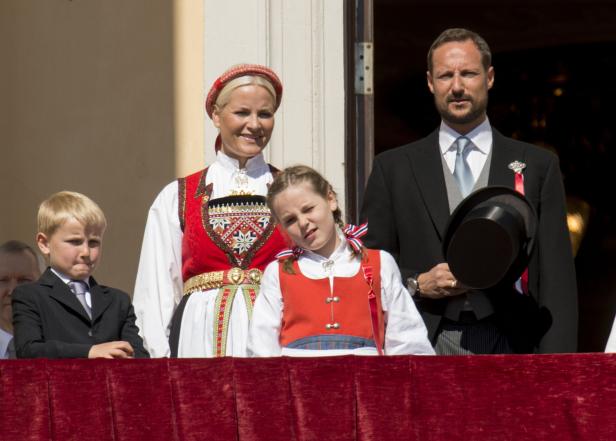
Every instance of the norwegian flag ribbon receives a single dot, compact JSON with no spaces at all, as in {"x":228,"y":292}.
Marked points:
{"x":294,"y":253}
{"x":353,"y":234}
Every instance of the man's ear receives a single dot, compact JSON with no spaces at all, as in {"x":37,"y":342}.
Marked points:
{"x":490,"y":77}
{"x":43,"y":243}
{"x":429,"y":79}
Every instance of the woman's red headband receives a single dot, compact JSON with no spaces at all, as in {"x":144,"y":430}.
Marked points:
{"x":242,"y":70}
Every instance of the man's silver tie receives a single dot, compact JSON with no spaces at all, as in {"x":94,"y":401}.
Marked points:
{"x":462,"y":171}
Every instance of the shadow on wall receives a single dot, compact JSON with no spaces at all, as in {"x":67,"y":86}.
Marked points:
{"x":88,"y":94}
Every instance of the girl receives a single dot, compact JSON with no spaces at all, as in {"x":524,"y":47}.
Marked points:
{"x":329,"y":295}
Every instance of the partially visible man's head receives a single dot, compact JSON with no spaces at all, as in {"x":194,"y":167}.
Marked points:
{"x":459,"y":76}
{"x":461,"y":35}
{"x":18,"y":264}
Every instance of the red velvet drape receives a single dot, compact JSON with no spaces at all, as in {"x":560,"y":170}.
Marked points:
{"x":548,"y":397}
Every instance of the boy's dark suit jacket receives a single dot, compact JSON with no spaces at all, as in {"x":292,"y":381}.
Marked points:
{"x":50,"y":322}
{"x":407,"y":210}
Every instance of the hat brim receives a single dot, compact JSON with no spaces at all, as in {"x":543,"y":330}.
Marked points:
{"x":490,"y":237}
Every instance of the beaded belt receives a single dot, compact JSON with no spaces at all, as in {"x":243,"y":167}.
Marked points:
{"x":217,"y":279}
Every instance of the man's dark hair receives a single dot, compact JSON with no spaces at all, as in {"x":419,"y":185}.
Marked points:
{"x":461,"y":35}
{"x":17,"y":247}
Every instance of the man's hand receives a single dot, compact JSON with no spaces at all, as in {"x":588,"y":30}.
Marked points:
{"x":112,"y":349}
{"x":439,"y":282}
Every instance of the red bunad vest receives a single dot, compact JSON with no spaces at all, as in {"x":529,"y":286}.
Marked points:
{"x":227,"y":243}
{"x":317,"y":317}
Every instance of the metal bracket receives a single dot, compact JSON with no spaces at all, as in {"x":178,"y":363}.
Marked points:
{"x":363,"y":68}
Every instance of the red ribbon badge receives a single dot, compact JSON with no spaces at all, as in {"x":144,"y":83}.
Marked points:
{"x":517,"y":168}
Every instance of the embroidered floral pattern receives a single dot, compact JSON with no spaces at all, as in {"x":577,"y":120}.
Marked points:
{"x":240,"y":226}
{"x":243,"y":241}
{"x":219,"y":223}
{"x":258,"y":219}
{"x":263,"y":222}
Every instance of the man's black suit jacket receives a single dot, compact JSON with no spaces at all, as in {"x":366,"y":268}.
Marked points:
{"x":407,"y":210}
{"x":50,"y":322}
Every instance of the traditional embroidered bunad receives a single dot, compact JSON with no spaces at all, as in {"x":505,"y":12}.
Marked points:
{"x":207,"y":240}
{"x":323,"y":309}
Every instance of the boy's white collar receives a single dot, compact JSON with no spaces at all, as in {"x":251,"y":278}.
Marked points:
{"x":67,"y":279}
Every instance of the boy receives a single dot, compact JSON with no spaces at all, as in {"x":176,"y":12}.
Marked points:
{"x":66,"y":313}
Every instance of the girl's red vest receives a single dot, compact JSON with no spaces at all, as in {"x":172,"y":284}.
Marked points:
{"x":311,"y":308}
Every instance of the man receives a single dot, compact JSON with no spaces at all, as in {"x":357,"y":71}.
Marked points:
{"x":413,"y":189}
{"x":18,"y":264}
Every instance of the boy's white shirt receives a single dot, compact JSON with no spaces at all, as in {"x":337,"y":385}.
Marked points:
{"x":66,"y":280}
{"x":405,"y":332}
{"x":5,"y":339}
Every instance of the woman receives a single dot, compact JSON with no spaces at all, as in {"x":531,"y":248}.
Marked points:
{"x":209,"y":235}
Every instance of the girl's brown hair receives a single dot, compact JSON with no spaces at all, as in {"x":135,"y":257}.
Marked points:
{"x":294,"y":175}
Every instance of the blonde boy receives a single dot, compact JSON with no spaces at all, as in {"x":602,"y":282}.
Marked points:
{"x":66,"y":313}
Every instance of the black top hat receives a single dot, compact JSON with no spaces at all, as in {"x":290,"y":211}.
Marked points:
{"x":489,"y":237}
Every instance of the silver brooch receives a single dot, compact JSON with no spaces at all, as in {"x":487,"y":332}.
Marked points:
{"x":242,"y":187}
{"x":517,"y":166}
{"x":328,"y":265}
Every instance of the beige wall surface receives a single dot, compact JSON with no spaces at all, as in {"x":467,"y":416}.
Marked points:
{"x":87,"y":104}
{"x":106,"y":98}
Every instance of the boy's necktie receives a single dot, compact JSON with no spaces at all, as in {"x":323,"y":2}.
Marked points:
{"x":79,"y":288}
{"x":462,"y":171}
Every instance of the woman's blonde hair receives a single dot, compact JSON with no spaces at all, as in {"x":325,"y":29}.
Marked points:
{"x":247,"y":80}
{"x":61,"y":206}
